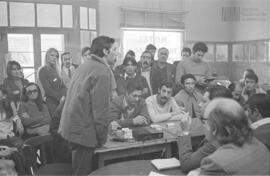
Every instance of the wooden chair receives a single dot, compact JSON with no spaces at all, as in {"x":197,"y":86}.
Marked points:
{"x":39,"y":156}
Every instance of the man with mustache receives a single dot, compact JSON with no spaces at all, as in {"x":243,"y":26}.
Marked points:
{"x":162,"y":106}
{"x":145,"y":67}
{"x":161,"y":70}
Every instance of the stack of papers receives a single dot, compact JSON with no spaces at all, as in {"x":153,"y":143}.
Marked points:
{"x":169,"y":163}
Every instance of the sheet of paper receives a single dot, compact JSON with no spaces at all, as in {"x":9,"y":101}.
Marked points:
{"x":168,"y":163}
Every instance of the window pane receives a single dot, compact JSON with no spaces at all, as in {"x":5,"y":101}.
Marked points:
{"x":22,"y":14}
{"x":67,"y":16}
{"x":83,"y":18}
{"x":51,"y":41}
{"x":29,"y":74}
{"x":252,"y":52}
{"x":209,"y":56}
{"x":93,"y":36}
{"x":222,"y":53}
{"x":48,"y":15}
{"x":3,"y":14}
{"x":137,"y":41}
{"x":246,"y":52}
{"x":172,"y":41}
{"x":20,"y":47}
{"x":92,"y":19}
{"x":262,"y":50}
{"x":238,"y":54}
{"x":85,"y":38}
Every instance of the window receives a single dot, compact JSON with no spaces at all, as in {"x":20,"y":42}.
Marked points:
{"x":252,"y":52}
{"x":262,"y":50}
{"x":210,"y":55}
{"x":137,"y":40}
{"x":67,"y":16}
{"x":238,"y":52}
{"x":20,"y":47}
{"x":48,"y":15}
{"x":22,"y":14}
{"x":221,"y":52}
{"x":92,"y":19}
{"x":3,"y":14}
{"x":83,"y":18}
{"x":51,"y":41}
{"x":85,"y":38}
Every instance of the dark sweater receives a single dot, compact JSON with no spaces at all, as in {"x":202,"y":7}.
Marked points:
{"x":37,"y":117}
{"x":118,"y":110}
{"x":52,"y":84}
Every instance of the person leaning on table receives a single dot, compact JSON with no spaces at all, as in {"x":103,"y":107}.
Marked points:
{"x":191,"y":160}
{"x":162,"y":106}
{"x":129,"y":110}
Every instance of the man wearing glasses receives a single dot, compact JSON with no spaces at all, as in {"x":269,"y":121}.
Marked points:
{"x":191,"y":160}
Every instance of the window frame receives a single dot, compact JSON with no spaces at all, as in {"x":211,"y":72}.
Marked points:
{"x":182,"y":32}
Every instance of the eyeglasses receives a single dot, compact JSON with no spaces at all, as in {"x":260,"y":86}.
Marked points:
{"x":14,"y":69}
{"x":29,"y":92}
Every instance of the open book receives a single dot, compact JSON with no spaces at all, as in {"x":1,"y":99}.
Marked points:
{"x":169,"y":163}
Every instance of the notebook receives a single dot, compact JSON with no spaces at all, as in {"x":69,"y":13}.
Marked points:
{"x":168,"y":163}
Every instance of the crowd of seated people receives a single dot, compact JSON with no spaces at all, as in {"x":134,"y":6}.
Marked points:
{"x":150,"y":91}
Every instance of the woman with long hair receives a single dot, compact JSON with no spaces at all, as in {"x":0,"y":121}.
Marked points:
{"x":33,"y":111}
{"x":50,"y":79}
{"x":14,"y":84}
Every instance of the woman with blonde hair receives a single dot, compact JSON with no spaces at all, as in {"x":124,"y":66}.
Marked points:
{"x":49,"y":77}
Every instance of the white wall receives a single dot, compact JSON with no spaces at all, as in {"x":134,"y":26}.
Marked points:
{"x":255,"y":21}
{"x":203,"y":21}
{"x":109,"y":18}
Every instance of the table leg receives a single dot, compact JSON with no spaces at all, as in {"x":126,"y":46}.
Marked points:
{"x":168,"y":150}
{"x":101,"y":161}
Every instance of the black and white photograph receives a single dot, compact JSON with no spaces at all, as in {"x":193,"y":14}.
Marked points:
{"x":134,"y":87}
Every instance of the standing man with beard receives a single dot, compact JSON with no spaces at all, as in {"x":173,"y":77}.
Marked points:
{"x":162,"y":106}
{"x":195,"y":65}
{"x":85,"y":116}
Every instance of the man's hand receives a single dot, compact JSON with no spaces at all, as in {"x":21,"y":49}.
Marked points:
{"x":25,"y":115}
{"x":177,"y":112}
{"x":115,"y":126}
{"x":140,"y":120}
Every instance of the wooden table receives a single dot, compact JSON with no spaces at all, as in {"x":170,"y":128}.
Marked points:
{"x":113,"y":150}
{"x":135,"y":167}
